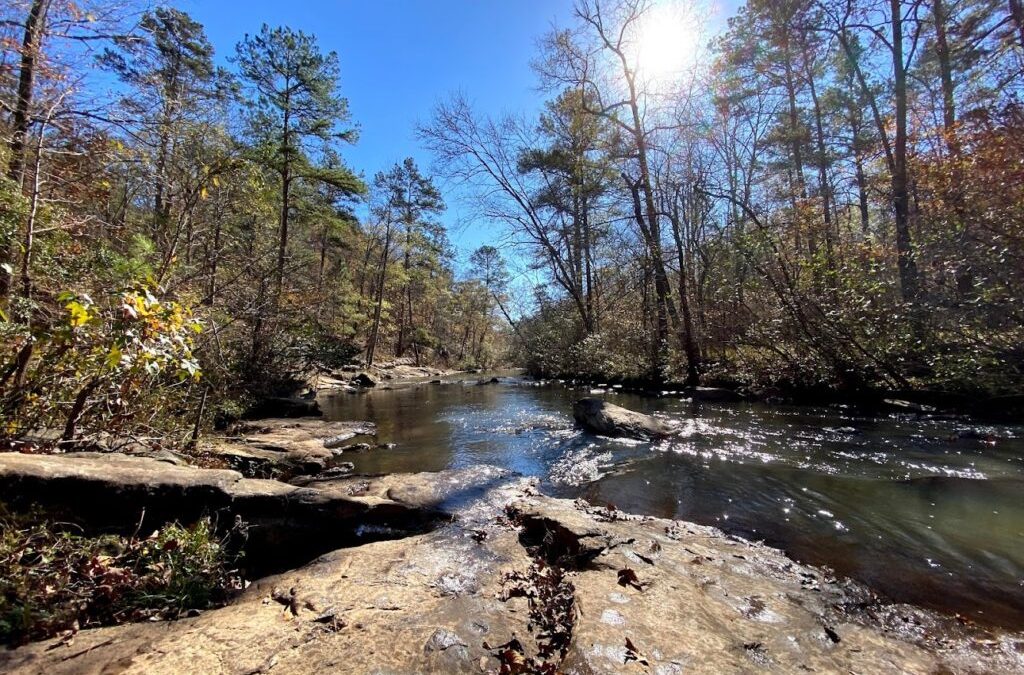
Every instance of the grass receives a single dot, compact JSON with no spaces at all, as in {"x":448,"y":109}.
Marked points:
{"x":55,"y":581}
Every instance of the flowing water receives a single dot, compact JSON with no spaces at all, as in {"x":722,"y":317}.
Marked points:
{"x":924,"y":511}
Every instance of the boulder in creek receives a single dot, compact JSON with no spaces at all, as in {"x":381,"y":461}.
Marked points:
{"x":648,"y":595}
{"x":284,"y":407}
{"x":607,"y":419}
{"x":364,"y":380}
{"x":713,"y":395}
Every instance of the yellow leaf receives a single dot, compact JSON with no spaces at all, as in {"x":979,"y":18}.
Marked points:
{"x":79,"y":313}
{"x":114,"y":357}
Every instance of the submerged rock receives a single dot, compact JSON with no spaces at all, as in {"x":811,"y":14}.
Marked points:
{"x":607,"y":419}
{"x":897,"y":405}
{"x":713,"y":395}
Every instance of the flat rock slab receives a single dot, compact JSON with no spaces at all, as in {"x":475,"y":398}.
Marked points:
{"x":607,"y":419}
{"x":287,"y":524}
{"x":686,"y":598}
{"x":293,"y":446}
{"x":449,"y":491}
{"x":423,"y":604}
{"x":650,"y":596}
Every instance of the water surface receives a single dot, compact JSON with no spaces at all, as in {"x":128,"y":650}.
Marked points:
{"x":924,"y":511}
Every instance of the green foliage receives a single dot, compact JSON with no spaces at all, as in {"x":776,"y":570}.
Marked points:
{"x":53,"y":579}
{"x":101,"y":366}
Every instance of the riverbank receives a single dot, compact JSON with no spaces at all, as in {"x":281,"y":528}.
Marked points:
{"x":468,"y":571}
{"x":504,"y":578}
{"x":986,"y":407}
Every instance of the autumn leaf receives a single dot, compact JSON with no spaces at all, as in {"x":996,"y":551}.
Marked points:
{"x":627,"y":577}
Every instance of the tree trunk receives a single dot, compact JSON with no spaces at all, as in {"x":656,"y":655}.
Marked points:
{"x":286,"y":185}
{"x":71,"y":425}
{"x":946,"y":74}
{"x":371,"y":343}
{"x":822,"y":162}
{"x":688,"y":339}
{"x":900,"y":182}
{"x":21,"y":119}
{"x":862,"y":191}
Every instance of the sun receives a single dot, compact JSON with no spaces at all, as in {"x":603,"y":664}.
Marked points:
{"x":667,"y":42}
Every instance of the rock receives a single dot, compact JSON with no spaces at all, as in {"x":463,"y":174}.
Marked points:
{"x":355,"y":447}
{"x":284,"y":407}
{"x":651,"y":595}
{"x":426,"y":603}
{"x":691,"y":599}
{"x":1003,"y":408}
{"x":168,"y":456}
{"x":324,"y":382}
{"x":286,"y":524}
{"x":713,"y":395}
{"x":907,"y":407}
{"x":769,"y":394}
{"x":566,"y":535}
{"x":254,"y":462}
{"x":607,"y":419}
{"x":336,"y":472}
{"x":288,"y":446}
{"x":364,"y":380}
{"x":445,"y":490}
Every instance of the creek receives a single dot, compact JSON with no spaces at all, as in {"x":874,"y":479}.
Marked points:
{"x":925,"y":511}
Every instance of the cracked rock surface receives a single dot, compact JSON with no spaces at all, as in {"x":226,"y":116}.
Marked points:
{"x":296,"y":446}
{"x":524,"y":583}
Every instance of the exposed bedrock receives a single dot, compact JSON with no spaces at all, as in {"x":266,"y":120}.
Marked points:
{"x":533,"y":582}
{"x":287,"y":525}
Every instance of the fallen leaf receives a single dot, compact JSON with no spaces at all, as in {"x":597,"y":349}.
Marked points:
{"x":627,"y":577}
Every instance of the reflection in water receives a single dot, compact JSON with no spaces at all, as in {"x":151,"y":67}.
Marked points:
{"x":925,"y":511}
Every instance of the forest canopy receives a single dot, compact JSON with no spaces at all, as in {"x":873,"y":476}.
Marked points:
{"x":829,"y":195}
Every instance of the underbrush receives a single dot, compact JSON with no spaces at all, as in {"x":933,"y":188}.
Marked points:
{"x":54,"y":580}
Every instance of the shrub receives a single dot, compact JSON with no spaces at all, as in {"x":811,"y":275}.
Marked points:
{"x":101,"y":366}
{"x":53,"y":579}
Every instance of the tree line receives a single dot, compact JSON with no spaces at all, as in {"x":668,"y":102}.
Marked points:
{"x":830,"y":196}
{"x":178,"y":237}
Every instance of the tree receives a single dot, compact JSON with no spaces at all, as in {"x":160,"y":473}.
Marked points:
{"x":601,"y":61}
{"x":294,"y":104}
{"x":415,"y":201}
{"x":487,"y":265}
{"x":575,"y":175}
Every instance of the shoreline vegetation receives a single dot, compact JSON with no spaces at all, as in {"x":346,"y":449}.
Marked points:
{"x":824,"y":205}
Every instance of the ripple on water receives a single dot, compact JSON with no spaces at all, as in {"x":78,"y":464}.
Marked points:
{"x":581,"y":466}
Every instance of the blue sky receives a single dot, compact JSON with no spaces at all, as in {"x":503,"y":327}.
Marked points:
{"x":399,"y":57}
